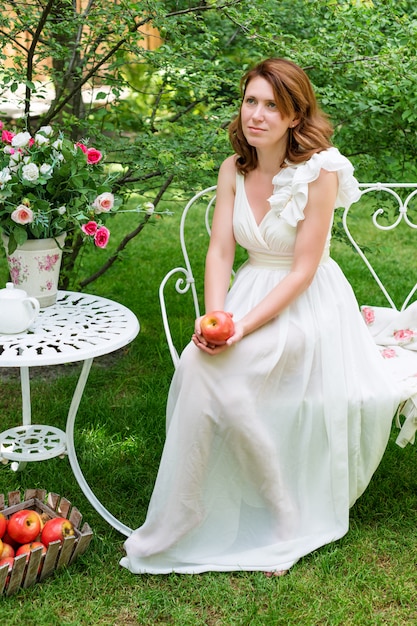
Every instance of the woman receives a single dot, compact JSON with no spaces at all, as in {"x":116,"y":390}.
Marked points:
{"x":272,"y":436}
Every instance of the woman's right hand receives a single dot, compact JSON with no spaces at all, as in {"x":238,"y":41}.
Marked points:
{"x":201,"y":342}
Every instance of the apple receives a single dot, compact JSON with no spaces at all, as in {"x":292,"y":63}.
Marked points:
{"x":24,"y":526}
{"x":56,"y":528}
{"x":44,"y":518}
{"x":217,"y":327}
{"x":11,"y":542}
{"x":3,"y":525}
{"x":7,"y":551}
{"x":7,"y":560}
{"x":27,"y":548}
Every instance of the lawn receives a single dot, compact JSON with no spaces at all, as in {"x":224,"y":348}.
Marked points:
{"x":368,"y":577}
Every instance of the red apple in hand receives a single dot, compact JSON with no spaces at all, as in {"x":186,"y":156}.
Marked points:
{"x":24,"y":526}
{"x":217,"y":327}
{"x":56,"y":528}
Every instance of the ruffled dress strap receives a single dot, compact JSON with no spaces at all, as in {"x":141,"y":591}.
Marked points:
{"x":297,"y":178}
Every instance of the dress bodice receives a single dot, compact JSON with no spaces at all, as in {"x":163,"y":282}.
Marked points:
{"x":273,"y":240}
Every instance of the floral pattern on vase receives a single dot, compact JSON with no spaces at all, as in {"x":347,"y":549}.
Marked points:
{"x":35,"y":266}
{"x":18,"y":270}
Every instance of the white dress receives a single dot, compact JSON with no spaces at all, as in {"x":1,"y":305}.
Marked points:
{"x":269,"y":443}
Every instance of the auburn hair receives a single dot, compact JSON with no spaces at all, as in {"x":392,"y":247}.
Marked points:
{"x":295,"y":97}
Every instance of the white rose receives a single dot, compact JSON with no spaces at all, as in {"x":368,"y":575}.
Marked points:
{"x":57,"y":144}
{"x":4,"y":176}
{"x":30,"y":172}
{"x":41,"y":139}
{"x":58,"y":155}
{"x":149,"y":208}
{"x":46,"y":169}
{"x":62,"y":210}
{"x":21,"y":140}
{"x":14,"y":160}
{"x":15,"y":157}
{"x":46,"y":130}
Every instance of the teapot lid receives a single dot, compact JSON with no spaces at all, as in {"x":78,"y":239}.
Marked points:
{"x":12,"y":293}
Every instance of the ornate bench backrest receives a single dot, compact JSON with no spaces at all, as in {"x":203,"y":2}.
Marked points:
{"x":386,"y":207}
{"x":382,"y":208}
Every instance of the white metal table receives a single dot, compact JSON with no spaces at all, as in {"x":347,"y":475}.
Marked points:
{"x":78,"y":327}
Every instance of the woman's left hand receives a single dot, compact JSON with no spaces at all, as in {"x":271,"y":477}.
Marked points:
{"x":212,"y":349}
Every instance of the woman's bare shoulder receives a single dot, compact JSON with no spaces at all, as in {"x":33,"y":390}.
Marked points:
{"x":227,"y":171}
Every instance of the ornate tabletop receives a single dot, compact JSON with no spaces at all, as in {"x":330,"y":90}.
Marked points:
{"x":78,"y":327}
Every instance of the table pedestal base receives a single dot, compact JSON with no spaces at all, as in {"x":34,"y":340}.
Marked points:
{"x":33,"y":442}
{"x":78,"y":327}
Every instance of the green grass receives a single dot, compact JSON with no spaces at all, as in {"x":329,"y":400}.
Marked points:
{"x":368,"y":577}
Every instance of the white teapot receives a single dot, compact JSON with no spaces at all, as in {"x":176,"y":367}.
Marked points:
{"x":17,"y":310}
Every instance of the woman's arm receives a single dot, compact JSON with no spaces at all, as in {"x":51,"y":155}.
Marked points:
{"x":310,"y":241}
{"x":221,"y":250}
{"x":222,"y":246}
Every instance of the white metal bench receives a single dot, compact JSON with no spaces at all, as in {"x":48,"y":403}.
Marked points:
{"x":384,"y":208}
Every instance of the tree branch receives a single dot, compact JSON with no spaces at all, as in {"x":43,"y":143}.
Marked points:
{"x":103,"y":60}
{"x":16,"y":43}
{"x":204,"y":7}
{"x":122,"y":245}
{"x":31,"y":53}
{"x":156,"y":104}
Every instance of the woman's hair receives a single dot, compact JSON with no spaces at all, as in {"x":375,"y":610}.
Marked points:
{"x":294,"y":97}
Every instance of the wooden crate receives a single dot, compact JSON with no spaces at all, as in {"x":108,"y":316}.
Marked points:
{"x":58,"y":553}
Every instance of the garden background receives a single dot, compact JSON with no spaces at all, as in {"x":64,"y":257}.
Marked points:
{"x":165,"y":132}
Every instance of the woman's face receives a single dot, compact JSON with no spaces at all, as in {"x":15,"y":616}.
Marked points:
{"x":262,"y":123}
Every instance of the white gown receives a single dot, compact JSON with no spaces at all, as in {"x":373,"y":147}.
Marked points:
{"x":269,"y":443}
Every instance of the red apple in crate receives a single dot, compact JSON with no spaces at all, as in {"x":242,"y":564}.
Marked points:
{"x":24,"y":526}
{"x":3,"y":525}
{"x":44,"y":518}
{"x":7,"y":551}
{"x":27,"y":548}
{"x":56,"y":528}
{"x":217,"y":327}
{"x":11,"y":542}
{"x":7,"y":560}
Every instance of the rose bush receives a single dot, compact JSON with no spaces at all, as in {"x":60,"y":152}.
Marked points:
{"x":49,"y":185}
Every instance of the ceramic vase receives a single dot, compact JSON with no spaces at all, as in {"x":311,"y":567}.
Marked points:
{"x":35,"y":265}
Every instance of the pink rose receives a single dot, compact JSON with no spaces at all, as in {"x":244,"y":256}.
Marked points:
{"x":102,"y":237}
{"x":90,"y":228}
{"x":82,"y":147}
{"x":368,"y":315}
{"x":389,"y":353}
{"x":22,"y":215}
{"x":93,"y":156}
{"x":7,"y":136}
{"x":404,"y":335}
{"x":103,"y":203}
